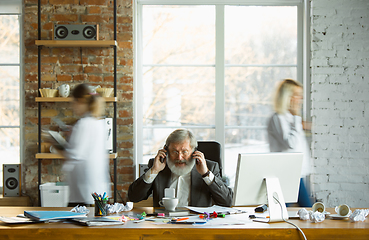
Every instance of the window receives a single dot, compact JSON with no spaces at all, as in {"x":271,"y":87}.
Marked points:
{"x":212,"y":68}
{"x":10,"y":53}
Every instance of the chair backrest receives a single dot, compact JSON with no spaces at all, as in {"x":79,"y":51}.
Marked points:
{"x":212,"y":151}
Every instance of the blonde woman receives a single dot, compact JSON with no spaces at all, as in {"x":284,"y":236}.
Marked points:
{"x":87,"y":165}
{"x":285,"y":129}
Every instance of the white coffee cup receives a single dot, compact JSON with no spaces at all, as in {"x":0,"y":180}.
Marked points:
{"x":129,"y":206}
{"x":343,"y":210}
{"x":318,"y":207}
{"x":170,"y":204}
{"x":64,"y":90}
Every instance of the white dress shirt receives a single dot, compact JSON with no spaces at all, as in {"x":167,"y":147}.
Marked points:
{"x":181,"y":184}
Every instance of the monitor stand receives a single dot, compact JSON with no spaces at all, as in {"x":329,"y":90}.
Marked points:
{"x":276,"y":212}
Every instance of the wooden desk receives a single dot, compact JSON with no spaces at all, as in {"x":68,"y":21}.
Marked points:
{"x":329,"y":229}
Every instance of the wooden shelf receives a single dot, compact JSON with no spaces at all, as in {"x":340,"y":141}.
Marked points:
{"x":112,"y":44}
{"x":69,"y":99}
{"x":14,"y":201}
{"x":58,"y":156}
{"x":76,"y":43}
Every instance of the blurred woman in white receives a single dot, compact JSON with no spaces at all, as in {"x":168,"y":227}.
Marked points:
{"x":285,"y":130}
{"x":87,"y":165}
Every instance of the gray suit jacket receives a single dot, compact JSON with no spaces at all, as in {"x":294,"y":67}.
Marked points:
{"x":202,"y":195}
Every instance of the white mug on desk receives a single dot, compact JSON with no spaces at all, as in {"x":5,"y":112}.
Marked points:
{"x":170,"y":204}
{"x":318,"y":207}
{"x":343,"y":210}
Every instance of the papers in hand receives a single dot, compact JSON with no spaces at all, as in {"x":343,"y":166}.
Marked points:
{"x":61,"y":142}
{"x":61,"y":124}
{"x":51,"y":215}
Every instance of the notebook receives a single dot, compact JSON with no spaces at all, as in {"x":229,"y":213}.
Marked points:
{"x":178,"y":212}
{"x":52,"y":215}
{"x":96,"y":221}
{"x":17,"y":220}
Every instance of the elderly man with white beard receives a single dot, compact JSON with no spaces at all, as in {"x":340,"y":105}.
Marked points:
{"x":180,"y":166}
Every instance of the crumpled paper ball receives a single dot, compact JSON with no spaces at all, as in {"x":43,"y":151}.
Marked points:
{"x":359,"y":215}
{"x":119,"y":207}
{"x":80,"y":209}
{"x":310,"y":215}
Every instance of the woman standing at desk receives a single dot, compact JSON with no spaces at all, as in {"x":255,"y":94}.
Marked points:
{"x":87,"y":167}
{"x":285,"y":130}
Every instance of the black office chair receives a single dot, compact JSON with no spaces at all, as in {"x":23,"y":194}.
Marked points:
{"x":212,"y":151}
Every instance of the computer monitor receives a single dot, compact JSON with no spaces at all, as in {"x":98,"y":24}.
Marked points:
{"x":264,"y":177}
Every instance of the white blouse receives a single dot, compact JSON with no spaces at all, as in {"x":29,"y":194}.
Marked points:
{"x":87,"y":166}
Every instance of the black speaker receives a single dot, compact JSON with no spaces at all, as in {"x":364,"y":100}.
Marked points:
{"x":76,"y":32}
{"x":11,"y":180}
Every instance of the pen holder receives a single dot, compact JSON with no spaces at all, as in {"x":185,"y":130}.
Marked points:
{"x":100,"y":208}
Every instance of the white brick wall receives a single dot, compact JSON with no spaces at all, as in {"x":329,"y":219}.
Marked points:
{"x":340,"y":101}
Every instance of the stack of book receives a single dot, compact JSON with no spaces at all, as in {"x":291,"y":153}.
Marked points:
{"x":178,"y":212}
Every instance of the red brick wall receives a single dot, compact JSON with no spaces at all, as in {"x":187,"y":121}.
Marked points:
{"x":74,"y":66}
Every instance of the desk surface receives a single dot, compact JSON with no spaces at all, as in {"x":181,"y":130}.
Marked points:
{"x":328,"y":229}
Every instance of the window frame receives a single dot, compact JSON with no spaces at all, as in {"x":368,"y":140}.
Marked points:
{"x":303,"y":59}
{"x":15,"y":7}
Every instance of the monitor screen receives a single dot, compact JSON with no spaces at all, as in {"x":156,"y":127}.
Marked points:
{"x":253,"y":168}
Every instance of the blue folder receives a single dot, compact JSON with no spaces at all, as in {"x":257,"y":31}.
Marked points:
{"x":52,"y":215}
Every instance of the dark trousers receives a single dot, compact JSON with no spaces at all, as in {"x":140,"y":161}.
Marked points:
{"x":303,"y":197}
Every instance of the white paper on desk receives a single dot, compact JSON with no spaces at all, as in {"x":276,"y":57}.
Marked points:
{"x":226,"y":221}
{"x":12,"y":220}
{"x":215,"y":208}
{"x":264,"y":214}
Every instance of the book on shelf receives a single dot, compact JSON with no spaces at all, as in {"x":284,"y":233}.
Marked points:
{"x":176,"y":213}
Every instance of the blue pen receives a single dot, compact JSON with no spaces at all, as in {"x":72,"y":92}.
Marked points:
{"x":104,"y":195}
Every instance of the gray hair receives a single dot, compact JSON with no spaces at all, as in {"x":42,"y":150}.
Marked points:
{"x":181,"y":135}
{"x":283,"y":95}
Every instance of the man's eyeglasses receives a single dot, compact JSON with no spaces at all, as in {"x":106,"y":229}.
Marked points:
{"x":184,"y":153}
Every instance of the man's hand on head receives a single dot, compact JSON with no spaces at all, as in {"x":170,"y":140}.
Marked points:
{"x":201,"y":166}
{"x":159,"y":161}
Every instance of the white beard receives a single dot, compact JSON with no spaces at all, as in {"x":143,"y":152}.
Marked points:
{"x":181,"y":170}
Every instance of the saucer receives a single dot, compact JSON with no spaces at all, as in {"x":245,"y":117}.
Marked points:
{"x":326,"y":213}
{"x":338,"y":217}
